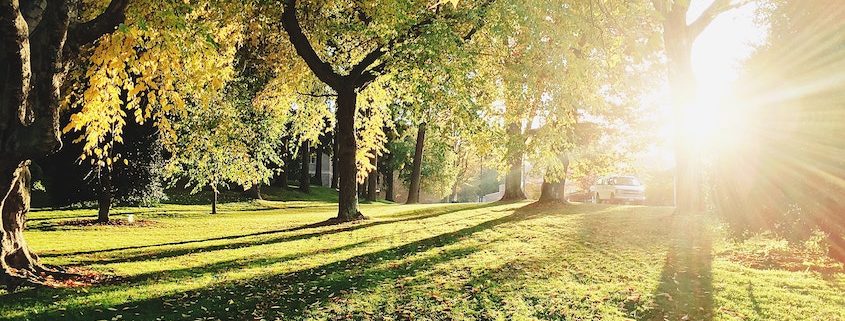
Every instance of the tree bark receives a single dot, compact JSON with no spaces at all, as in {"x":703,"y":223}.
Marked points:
{"x":105,"y":197}
{"x":32,"y":66}
{"x":318,"y":167}
{"x":19,"y":264}
{"x":347,"y":145}
{"x":548,"y":191}
{"x":372,"y":182}
{"x":416,"y":170}
{"x":304,"y":176}
{"x":335,"y":177}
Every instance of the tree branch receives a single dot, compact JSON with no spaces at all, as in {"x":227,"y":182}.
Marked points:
{"x":303,"y":47}
{"x":88,"y":32}
{"x":368,"y":60}
{"x":716,"y":8}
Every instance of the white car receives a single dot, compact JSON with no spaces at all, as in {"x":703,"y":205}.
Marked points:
{"x":618,"y":189}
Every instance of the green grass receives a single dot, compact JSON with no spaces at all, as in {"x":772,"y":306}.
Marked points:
{"x":268,"y":260}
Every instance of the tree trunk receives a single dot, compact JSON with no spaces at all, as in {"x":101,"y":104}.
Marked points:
{"x":255,"y":191}
{"x":347,"y":146}
{"x":388,"y":186}
{"x":335,"y":177}
{"x":513,"y":179}
{"x":19,"y":264}
{"x":304,"y":176}
{"x":560,"y":186}
{"x":318,"y":167}
{"x":416,"y":170}
{"x":282,"y":181}
{"x":547,"y":191}
{"x":388,"y":178}
{"x":214,"y":199}
{"x":105,"y":197}
{"x":372,"y":182}
{"x":688,"y":167}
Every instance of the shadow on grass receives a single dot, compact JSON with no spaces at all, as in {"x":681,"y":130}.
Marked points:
{"x":283,"y":296}
{"x":247,"y":242}
{"x":686,"y":283}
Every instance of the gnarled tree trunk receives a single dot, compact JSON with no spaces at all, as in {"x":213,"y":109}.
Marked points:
{"x":32,"y":65}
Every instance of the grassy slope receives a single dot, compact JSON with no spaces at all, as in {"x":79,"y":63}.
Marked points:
{"x":490,"y":261}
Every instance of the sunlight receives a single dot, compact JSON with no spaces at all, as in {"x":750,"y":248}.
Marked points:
{"x":714,"y":122}
{"x":714,"y":125}
{"x":720,"y":50}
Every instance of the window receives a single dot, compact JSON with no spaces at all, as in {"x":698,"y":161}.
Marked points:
{"x":626,"y":181}
{"x":313,"y":159}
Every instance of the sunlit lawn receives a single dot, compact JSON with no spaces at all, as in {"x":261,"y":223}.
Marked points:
{"x":265,"y":260}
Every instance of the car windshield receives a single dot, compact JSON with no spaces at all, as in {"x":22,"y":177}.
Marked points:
{"x":626,"y":181}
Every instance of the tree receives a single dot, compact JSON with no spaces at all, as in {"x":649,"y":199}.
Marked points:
{"x":678,"y":38}
{"x":38,"y":41}
{"x":559,"y":58}
{"x":231,"y":141}
{"x":376,"y":42}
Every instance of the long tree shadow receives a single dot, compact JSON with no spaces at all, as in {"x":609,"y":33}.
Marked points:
{"x":686,"y":283}
{"x":287,"y":238}
{"x":288,"y":295}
